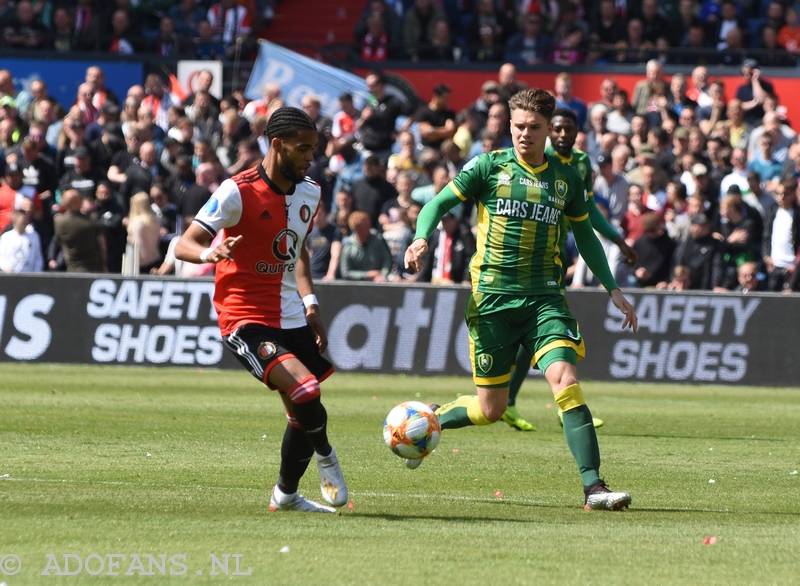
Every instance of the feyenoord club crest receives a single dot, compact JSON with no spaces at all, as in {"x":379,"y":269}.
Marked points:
{"x":561,"y":188}
{"x":305,"y":213}
{"x":266,"y":350}
{"x":485,"y":362}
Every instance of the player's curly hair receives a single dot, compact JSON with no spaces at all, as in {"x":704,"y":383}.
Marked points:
{"x":286,"y":122}
{"x":534,"y":100}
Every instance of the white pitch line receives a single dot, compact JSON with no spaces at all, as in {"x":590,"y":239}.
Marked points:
{"x":446,"y":497}
{"x":392,"y":495}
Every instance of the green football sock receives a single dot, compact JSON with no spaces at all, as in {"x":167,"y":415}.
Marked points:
{"x":462,"y":412}
{"x":519,"y":373}
{"x":580,"y":433}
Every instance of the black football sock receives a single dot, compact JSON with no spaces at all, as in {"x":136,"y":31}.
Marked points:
{"x":313,"y":418}
{"x":296,"y":453}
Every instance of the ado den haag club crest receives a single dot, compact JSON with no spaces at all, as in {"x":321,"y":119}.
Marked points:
{"x":485,"y":362}
{"x":561,"y":188}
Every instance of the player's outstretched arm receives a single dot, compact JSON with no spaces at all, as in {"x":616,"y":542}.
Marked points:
{"x":192,"y":246}
{"x":305,"y":288}
{"x":429,"y":218}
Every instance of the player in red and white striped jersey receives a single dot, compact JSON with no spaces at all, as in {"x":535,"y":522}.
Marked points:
{"x":264,"y":297}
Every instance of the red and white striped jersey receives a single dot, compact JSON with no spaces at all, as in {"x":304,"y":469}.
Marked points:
{"x":260,"y":286}
{"x":228,"y":25}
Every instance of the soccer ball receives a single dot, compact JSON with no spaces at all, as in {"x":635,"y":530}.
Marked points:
{"x":411,"y":430}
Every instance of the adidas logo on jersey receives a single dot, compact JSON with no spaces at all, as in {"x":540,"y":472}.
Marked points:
{"x":265,"y":215}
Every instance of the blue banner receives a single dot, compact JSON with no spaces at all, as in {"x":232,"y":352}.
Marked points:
{"x":64,"y":77}
{"x":298,"y":75}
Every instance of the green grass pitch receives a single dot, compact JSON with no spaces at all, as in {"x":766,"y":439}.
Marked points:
{"x":180,"y":462}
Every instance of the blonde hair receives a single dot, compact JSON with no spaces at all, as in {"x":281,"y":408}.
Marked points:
{"x":141,"y":208}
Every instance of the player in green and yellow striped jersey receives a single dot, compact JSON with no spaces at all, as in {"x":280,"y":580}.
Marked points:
{"x":563,"y":132}
{"x":517,"y":294}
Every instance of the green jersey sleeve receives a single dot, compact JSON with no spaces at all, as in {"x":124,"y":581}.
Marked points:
{"x":471,"y":181}
{"x":577,"y":199}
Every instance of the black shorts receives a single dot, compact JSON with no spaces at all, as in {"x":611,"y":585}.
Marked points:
{"x":259,"y":348}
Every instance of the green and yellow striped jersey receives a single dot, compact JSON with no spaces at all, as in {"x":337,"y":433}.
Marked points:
{"x":521,"y":217}
{"x":579,"y":161}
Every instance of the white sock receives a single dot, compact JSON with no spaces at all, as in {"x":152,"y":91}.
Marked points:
{"x":281,"y":496}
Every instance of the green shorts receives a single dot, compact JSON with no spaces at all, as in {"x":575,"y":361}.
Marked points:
{"x":499,"y":324}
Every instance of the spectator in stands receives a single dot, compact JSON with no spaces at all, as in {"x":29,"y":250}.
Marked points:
{"x":772,"y":54}
{"x":21,"y":98}
{"x":782,"y":238}
{"x":739,"y":129}
{"x":753,"y":92}
{"x":13,"y":192}
{"x":141,"y":175}
{"x":608,"y":28}
{"x":450,"y":251}
{"x":728,"y":20}
{"x":379,"y":117}
{"x":488,"y":47}
{"x":123,"y":40}
{"x":631,"y":222}
{"x":747,"y":279}
{"x":270,"y":100}
{"x":167,"y":42}
{"x":158,"y":100}
{"x":248,"y":155}
{"x":487,"y":15}
{"x":79,"y":236}
{"x":392,"y":23}
{"x":124,"y":158}
{"x":375,"y":44}
{"x":170,"y":223}
{"x":230,"y":23}
{"x":700,"y":253}
{"x":20,"y":248}
{"x":436,"y":122}
{"x":419,"y":22}
{"x":765,"y":163}
{"x":389,"y":218}
{"x":619,"y":119}
{"x":611,"y":187}
{"x":452,"y":158}
{"x":187,"y":15}
{"x":643,"y":91}
{"x":144,"y":232}
{"x":681,"y":280}
{"x":203,"y":83}
{"x":313,"y":107}
{"x":654,"y":249}
{"x":566,"y":99}
{"x":530,"y":46}
{"x":568,"y":46}
{"x":109,"y":213}
{"x":738,"y":238}
{"x":371,"y":192}
{"x":72,"y":138}
{"x":62,"y":38}
{"x":349,"y":166}
{"x":198,"y":193}
{"x":365,"y":256}
{"x":344,"y":124}
{"x":206,"y":46}
{"x":324,"y":244}
{"x":81,"y":177}
{"x":25,"y":30}
{"x":86,"y":24}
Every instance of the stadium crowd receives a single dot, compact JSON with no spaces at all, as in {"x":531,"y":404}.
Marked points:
{"x":570,"y":32}
{"x":703,"y":189}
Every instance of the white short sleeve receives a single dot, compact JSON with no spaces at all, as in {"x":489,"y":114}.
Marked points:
{"x":222,"y":210}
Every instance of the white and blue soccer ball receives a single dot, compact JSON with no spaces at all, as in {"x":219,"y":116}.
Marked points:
{"x":411,"y":430}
